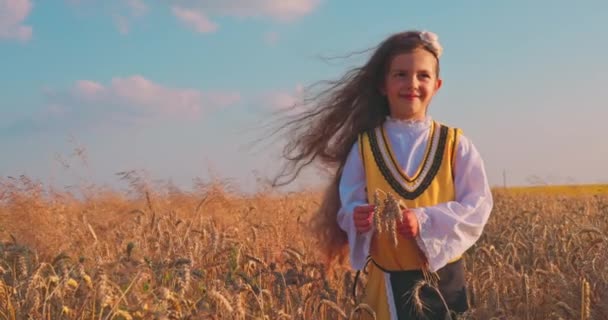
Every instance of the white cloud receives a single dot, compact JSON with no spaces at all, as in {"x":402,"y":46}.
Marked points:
{"x":121,"y":23}
{"x":12,"y":16}
{"x":195,"y":19}
{"x":200,"y":14}
{"x":198,"y":11}
{"x":284,"y":100}
{"x":139,"y":93}
{"x":87,"y":89}
{"x":283,"y":10}
{"x":122,"y":12}
{"x":138,"y":7}
{"x":124,"y":100}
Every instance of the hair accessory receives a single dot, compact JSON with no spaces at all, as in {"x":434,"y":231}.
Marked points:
{"x":432,"y":40}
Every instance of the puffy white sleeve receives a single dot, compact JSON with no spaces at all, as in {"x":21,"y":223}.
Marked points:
{"x":352,"y":193}
{"x":449,"y":229}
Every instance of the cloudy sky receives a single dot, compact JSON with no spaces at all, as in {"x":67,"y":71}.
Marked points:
{"x":178,"y":89}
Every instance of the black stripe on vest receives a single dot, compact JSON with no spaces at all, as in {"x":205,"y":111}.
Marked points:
{"x":393,"y":182}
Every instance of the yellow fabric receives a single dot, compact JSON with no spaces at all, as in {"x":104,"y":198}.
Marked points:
{"x":406,"y":255}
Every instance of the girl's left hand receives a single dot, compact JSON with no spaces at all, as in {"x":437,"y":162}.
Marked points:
{"x":409,"y":228}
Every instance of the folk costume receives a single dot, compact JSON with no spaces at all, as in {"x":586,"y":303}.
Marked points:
{"x":435,"y":171}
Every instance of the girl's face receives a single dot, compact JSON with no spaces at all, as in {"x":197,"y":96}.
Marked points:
{"x":410,"y":84}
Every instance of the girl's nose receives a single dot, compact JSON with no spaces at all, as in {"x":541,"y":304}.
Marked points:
{"x":412,"y":82}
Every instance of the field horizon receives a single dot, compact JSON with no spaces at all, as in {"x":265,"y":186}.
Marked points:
{"x":213,"y":253}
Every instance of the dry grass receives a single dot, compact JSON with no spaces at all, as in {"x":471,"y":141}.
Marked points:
{"x":583,"y":189}
{"x":211,"y":254}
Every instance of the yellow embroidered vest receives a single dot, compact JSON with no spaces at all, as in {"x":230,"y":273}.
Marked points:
{"x":431,"y":184}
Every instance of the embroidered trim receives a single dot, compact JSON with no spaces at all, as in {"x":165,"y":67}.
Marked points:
{"x":430,"y":145}
{"x":414,"y":124}
{"x":360,"y":143}
{"x":362,"y":154}
{"x":394,"y":167}
{"x":454,"y":146}
{"x":429,"y":175}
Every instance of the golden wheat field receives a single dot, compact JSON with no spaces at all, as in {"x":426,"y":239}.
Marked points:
{"x":584,"y":189}
{"x":216,"y":254}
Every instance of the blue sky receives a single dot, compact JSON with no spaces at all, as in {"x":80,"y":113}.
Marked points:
{"x":179,"y":88}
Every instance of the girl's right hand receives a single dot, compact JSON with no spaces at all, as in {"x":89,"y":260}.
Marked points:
{"x":363,"y":217}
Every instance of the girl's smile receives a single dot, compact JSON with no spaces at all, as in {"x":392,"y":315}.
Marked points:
{"x":410,"y":84}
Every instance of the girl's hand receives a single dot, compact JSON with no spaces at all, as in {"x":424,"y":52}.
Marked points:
{"x":363,"y":217}
{"x":409,"y":228}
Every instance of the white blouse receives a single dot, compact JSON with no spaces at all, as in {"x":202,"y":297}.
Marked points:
{"x":447,"y":229}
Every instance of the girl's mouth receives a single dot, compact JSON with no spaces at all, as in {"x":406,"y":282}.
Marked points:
{"x":408,"y":96}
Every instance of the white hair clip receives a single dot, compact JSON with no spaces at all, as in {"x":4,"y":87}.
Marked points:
{"x":432,"y":40}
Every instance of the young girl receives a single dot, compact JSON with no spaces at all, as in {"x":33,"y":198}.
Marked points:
{"x":372,"y":126}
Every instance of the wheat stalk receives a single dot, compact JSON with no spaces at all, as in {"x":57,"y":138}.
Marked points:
{"x":387,"y":214}
{"x":332,"y":305}
{"x":413,"y":298}
{"x":585,"y":300}
{"x":362,"y":307}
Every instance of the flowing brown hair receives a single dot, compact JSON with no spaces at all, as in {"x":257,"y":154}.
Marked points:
{"x":329,"y":126}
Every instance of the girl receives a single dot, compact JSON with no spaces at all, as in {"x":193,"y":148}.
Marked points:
{"x":372,"y":127}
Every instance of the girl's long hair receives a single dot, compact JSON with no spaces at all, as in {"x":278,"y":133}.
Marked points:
{"x":328,"y":128}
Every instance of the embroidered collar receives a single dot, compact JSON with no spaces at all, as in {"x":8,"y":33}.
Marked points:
{"x":416,"y":124}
